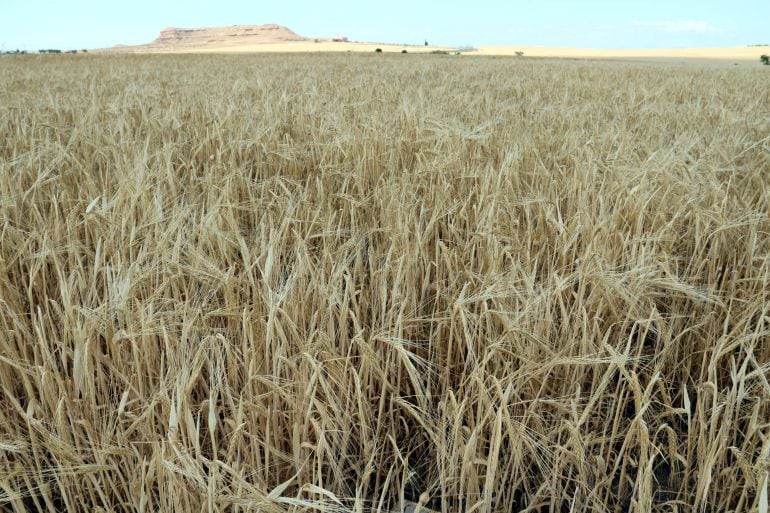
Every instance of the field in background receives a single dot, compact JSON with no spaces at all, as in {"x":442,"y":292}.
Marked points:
{"x":273,"y":283}
{"x":288,"y":47}
{"x":738,"y":54}
{"x":741,"y":55}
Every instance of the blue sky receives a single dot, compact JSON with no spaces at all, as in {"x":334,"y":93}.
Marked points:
{"x":35,"y":24}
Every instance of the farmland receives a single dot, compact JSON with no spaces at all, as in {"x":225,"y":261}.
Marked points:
{"x":340,"y":282}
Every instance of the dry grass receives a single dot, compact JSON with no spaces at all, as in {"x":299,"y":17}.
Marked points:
{"x":740,"y":55}
{"x":271,"y":283}
{"x":303,"y":47}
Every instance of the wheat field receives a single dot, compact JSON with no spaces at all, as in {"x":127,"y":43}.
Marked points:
{"x":336,"y":283}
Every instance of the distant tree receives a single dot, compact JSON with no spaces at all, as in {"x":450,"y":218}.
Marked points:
{"x":84,"y":50}
{"x":403,"y":51}
{"x":378,"y":50}
{"x":426,"y":42}
{"x":765,"y":60}
{"x":519,"y":54}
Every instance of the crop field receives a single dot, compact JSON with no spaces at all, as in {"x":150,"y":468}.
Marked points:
{"x":272,"y":283}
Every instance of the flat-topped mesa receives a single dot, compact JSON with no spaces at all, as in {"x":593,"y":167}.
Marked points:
{"x":236,"y":34}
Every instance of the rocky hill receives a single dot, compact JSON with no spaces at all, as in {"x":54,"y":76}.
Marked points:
{"x":234,"y":35}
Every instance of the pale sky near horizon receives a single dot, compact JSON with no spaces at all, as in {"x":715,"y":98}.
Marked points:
{"x":77,"y":24}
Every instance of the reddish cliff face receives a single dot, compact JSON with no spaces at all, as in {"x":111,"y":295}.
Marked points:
{"x":238,"y":34}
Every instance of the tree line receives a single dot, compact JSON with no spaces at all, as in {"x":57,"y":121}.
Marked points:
{"x":49,"y":50}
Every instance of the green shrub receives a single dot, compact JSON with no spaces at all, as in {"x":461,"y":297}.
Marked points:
{"x":765,"y":60}
{"x":404,"y":51}
{"x":378,"y":50}
{"x":439,"y":52}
